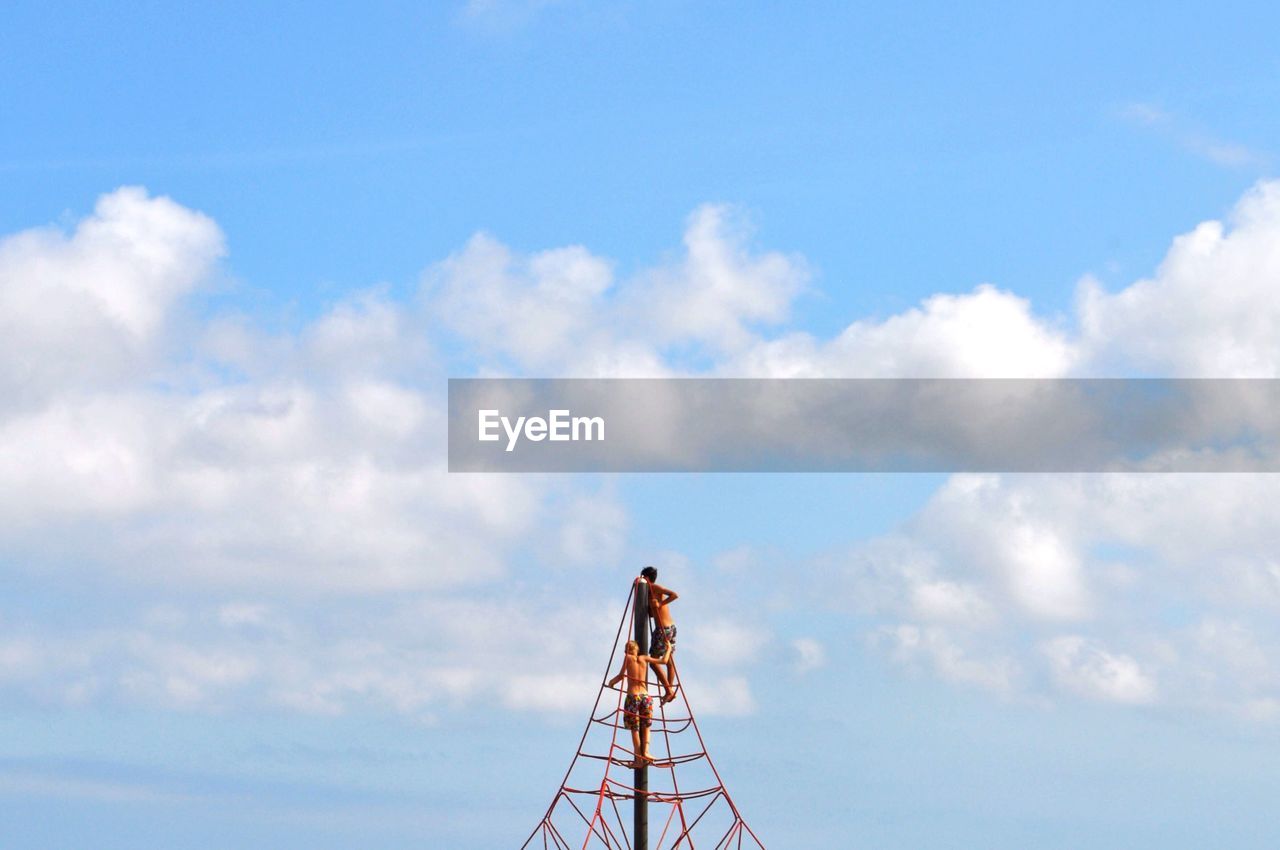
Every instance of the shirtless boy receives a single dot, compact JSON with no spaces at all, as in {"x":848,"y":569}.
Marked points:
{"x":638,"y":709}
{"x":663,"y":641}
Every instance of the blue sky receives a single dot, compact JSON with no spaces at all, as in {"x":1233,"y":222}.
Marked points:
{"x":245,"y":607}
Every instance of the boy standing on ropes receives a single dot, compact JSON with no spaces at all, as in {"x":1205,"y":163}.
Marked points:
{"x":638,"y":709}
{"x":663,"y":641}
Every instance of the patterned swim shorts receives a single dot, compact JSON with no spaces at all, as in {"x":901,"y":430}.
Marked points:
{"x":662,"y":636}
{"x":638,"y":711}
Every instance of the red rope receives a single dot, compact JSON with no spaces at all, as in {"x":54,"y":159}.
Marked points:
{"x":614,"y":790}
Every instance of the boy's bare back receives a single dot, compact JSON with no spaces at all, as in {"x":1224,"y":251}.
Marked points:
{"x":637,"y":670}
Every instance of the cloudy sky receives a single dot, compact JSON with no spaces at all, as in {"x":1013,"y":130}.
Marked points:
{"x":245,"y":606}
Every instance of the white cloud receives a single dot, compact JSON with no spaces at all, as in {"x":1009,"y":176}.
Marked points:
{"x":1087,"y":668}
{"x":18,"y":657}
{"x":281,"y":482}
{"x":173,"y":674}
{"x":724,"y":696}
{"x":938,"y":651}
{"x":722,"y":642}
{"x":1177,"y":570}
{"x":810,"y":654}
{"x":1215,"y":150}
{"x":720,"y":290}
{"x":950,"y":601}
{"x":406,"y":655}
{"x":987,"y":333}
{"x":1024,"y":550}
{"x":264,"y":466}
{"x":88,"y":308}
{"x":523,"y":649}
{"x":1211,"y":309}
{"x":593,"y":531}
{"x":318,"y":467}
{"x":553,"y":692}
{"x":562,"y":312}
{"x":541,"y":311}
{"x":245,"y":614}
{"x":1147,"y":114}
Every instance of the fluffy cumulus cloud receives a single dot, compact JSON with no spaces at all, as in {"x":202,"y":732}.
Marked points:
{"x":1210,"y":310}
{"x":196,"y":458}
{"x":932,"y":649}
{"x":987,"y":333}
{"x":89,"y":308}
{"x":145,"y":446}
{"x":1084,"y":666}
{"x":256,"y":483}
{"x":140,"y":440}
{"x":1131,"y":589}
{"x":564,"y":312}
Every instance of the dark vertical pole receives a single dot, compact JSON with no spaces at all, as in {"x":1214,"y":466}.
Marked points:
{"x":640,"y":830}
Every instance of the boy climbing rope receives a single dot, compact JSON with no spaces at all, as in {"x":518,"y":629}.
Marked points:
{"x":691,"y":810}
{"x":663,"y":641}
{"x":638,"y":708}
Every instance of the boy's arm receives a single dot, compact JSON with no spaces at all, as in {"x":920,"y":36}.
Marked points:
{"x":666,"y":656}
{"x":665,"y":595}
{"x":618,"y":678}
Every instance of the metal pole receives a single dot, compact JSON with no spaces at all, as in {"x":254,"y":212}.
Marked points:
{"x":640,"y":829}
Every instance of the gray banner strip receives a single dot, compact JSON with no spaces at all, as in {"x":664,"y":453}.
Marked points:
{"x":863,"y":425}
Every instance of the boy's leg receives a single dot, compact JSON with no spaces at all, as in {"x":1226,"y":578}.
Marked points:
{"x":659,"y":673}
{"x":666,"y":675}
{"x":664,"y":639}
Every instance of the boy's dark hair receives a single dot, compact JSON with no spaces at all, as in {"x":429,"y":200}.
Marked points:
{"x":651,"y":573}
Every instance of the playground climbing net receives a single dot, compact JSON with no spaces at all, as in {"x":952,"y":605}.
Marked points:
{"x":686,"y":801}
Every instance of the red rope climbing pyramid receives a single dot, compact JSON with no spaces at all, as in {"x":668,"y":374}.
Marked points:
{"x":684,"y":812}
